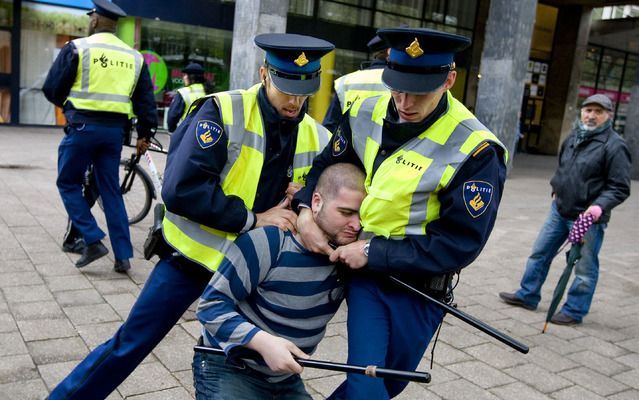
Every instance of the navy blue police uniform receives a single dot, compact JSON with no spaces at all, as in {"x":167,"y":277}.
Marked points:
{"x":191,"y":189}
{"x":176,"y":108}
{"x":95,"y":137}
{"x":400,"y":336}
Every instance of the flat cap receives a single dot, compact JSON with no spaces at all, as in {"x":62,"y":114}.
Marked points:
{"x":599,"y":99}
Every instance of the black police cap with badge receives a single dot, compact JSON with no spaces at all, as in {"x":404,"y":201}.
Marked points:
{"x":193,"y":68}
{"x":293,"y":61}
{"x":420,"y":58}
{"x":107,"y":9}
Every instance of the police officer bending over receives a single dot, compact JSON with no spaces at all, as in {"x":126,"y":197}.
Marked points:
{"x":99,"y":81}
{"x":434,"y":179}
{"x":229,"y":165}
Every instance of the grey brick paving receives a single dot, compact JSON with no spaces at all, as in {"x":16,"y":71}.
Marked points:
{"x":51,"y":313}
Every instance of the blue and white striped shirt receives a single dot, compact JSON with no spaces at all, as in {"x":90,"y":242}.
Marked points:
{"x":270,"y":282}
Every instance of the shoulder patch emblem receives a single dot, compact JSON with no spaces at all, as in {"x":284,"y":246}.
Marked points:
{"x":339,"y":143}
{"x":477,"y":196}
{"x":207,"y":133}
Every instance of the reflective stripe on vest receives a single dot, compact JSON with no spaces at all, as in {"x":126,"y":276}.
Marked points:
{"x":108,"y":70}
{"x":359,"y":85}
{"x":402,"y":195}
{"x":189,"y":95}
{"x":240,"y":176}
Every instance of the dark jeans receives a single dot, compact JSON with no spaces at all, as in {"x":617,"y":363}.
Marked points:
{"x":215,"y":380}
{"x":168,"y":292}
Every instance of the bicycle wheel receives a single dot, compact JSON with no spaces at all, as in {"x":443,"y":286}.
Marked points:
{"x":138,"y":197}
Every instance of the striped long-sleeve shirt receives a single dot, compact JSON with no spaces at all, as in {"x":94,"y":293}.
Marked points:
{"x":270,"y":282}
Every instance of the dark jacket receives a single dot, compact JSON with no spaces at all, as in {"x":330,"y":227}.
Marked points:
{"x":597,"y":171}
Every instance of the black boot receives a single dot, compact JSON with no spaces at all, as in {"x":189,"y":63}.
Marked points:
{"x":121,"y":266}
{"x":91,"y":253}
{"x":72,"y":241}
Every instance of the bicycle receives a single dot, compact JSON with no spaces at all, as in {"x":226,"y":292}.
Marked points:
{"x":139,"y":188}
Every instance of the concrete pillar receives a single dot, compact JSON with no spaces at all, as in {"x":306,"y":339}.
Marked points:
{"x":562,"y":88}
{"x":503,"y":67}
{"x":631,"y":132}
{"x":253,"y":17}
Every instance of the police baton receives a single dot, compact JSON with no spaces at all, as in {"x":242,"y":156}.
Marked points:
{"x":469,"y":319}
{"x":370,"y":370}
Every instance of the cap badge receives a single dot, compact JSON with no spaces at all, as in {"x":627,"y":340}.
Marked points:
{"x":414,"y":50}
{"x":301,"y":60}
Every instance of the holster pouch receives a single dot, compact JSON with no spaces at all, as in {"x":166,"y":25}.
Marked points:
{"x":154,"y":243}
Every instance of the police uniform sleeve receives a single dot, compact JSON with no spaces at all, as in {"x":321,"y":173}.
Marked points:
{"x":144,"y":104}
{"x":61,"y":75}
{"x":339,"y":150}
{"x":455,"y":239}
{"x":333,"y":115}
{"x":191,"y":186}
{"x":176,"y":109}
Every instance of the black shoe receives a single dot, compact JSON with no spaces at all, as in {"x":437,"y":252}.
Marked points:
{"x":121,"y":265}
{"x":513,"y":300}
{"x":75,"y":245}
{"x":562,"y":319}
{"x":91,"y":253}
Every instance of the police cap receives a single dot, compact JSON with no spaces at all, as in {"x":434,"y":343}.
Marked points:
{"x":107,"y":9}
{"x":420,"y":58}
{"x":293,"y":61}
{"x":193,"y":68}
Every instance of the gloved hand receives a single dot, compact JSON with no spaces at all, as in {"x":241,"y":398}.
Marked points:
{"x":595,"y":211}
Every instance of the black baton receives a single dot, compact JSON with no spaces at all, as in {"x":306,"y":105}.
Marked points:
{"x":467,"y":318}
{"x":370,"y":370}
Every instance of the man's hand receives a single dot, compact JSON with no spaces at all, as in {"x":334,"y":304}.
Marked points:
{"x":291,"y":190}
{"x":313,"y":237}
{"x":595,"y":211}
{"x":352,"y":255}
{"x":277,"y":352}
{"x":142,"y":145}
{"x":280,"y":216}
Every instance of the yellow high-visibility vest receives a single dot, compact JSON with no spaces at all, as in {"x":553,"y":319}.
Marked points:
{"x":240,"y":176}
{"x":359,"y":85}
{"x":402,"y":195}
{"x":108,"y":70}
{"x":189,"y":95}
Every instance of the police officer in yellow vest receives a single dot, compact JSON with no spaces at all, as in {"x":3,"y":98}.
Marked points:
{"x":99,"y":81}
{"x":365,"y":82}
{"x":194,"y":88}
{"x":434,"y":179}
{"x":229,"y":165}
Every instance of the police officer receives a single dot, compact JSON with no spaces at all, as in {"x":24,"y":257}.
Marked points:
{"x":228,"y":168}
{"x":365,"y":82}
{"x":99,"y":81}
{"x":434,"y":178}
{"x":193,"y":78}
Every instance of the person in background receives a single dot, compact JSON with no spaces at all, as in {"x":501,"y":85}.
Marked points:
{"x":593,"y":177}
{"x":229,"y":165}
{"x":287,"y":297}
{"x":194,"y":88}
{"x":99,"y":81}
{"x":434,"y":179}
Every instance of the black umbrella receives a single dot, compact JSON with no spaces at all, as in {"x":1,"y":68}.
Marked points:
{"x":575,"y":237}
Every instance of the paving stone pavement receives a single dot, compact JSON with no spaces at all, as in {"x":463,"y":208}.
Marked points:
{"x":52,"y":314}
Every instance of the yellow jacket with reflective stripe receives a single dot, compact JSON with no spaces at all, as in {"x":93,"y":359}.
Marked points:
{"x":240,"y":176}
{"x":108,"y":70}
{"x":402,"y":195}
{"x":189,"y":95}
{"x":359,"y":85}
